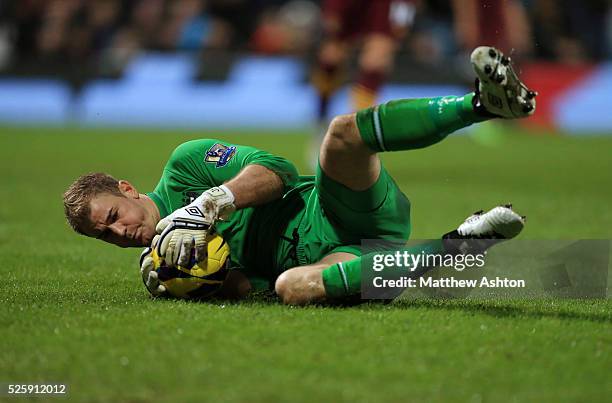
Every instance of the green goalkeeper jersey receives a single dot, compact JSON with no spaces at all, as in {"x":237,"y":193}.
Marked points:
{"x":261,"y":239}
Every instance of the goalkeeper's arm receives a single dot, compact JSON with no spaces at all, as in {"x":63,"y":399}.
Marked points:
{"x":247,"y":177}
{"x":255,"y":185}
{"x":186,"y":229}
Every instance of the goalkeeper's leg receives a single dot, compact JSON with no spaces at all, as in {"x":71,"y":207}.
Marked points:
{"x":304,"y":284}
{"x":348,"y":152}
{"x":338,"y":275}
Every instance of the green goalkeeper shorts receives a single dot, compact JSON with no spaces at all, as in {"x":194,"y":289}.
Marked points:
{"x":337,"y":218}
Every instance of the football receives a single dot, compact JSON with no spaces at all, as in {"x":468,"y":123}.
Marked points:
{"x":198,"y":281}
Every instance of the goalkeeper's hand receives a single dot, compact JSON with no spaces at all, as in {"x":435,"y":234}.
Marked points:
{"x":149,"y":276}
{"x":186,"y":229}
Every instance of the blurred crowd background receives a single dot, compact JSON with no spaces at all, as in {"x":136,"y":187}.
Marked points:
{"x":111,"y":31}
{"x":203,"y":62}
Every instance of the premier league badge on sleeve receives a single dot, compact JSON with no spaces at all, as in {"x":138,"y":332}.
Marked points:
{"x":220,"y":154}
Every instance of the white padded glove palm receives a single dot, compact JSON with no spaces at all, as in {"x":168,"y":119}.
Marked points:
{"x":184,"y":232}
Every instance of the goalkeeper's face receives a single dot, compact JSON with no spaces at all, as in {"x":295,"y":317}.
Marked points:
{"x":122,"y":220}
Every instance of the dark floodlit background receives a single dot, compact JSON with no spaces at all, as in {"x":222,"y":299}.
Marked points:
{"x":228,"y":63}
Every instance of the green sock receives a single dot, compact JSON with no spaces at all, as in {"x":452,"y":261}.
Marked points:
{"x":344,"y":279}
{"x":415,"y":123}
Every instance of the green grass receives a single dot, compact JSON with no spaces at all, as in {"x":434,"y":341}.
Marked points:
{"x":75,"y":311}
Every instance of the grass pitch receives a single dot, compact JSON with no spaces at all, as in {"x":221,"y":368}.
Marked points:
{"x":75,"y":311}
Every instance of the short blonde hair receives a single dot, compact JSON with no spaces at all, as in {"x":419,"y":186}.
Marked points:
{"x":79,"y":195}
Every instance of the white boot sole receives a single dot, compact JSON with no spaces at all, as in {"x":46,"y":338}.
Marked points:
{"x":502,"y":92}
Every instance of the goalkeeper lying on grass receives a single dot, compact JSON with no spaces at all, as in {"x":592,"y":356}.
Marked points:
{"x":299,"y":234}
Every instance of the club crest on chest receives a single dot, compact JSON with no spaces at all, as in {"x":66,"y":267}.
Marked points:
{"x":219,"y":154}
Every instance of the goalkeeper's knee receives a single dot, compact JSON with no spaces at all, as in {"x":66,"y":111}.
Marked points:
{"x":300,"y":285}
